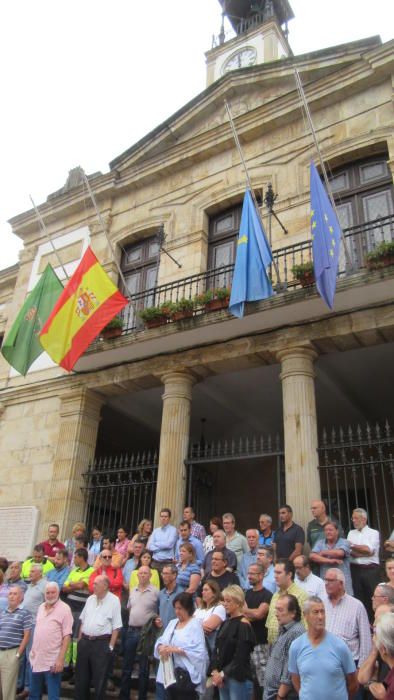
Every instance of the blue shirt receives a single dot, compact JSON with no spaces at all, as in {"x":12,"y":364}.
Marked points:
{"x":199,"y":549}
{"x":183,"y":578}
{"x":58,"y":575}
{"x":247,"y":559}
{"x":162,"y":542}
{"x":166,"y":608}
{"x":322,"y":669}
{"x":269,"y":580}
{"x":266,"y":540}
{"x":128,"y":569}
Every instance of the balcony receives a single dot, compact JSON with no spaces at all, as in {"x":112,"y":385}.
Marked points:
{"x":357,"y":287}
{"x":359,"y":241}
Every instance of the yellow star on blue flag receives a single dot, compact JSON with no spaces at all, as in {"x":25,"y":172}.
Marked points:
{"x":326,"y":232}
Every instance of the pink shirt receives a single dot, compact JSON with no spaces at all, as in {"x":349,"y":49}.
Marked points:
{"x":121,"y":547}
{"x":52,"y":625}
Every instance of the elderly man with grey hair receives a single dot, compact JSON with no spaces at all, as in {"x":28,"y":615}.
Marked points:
{"x":384,"y":640}
{"x":34,"y":596}
{"x":250,"y":557}
{"x":101,"y":622}
{"x":320,"y":663}
{"x":364,"y":562}
{"x":382,"y":595}
{"x":266,"y":534}
{"x":346,"y":617}
{"x":52,"y":635}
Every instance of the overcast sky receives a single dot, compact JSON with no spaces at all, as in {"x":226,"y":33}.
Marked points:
{"x":82,"y":81}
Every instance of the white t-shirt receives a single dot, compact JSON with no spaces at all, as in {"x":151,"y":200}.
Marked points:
{"x":204,"y":614}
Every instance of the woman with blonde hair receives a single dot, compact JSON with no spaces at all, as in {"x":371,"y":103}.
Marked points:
{"x":144,"y":531}
{"x":79,"y":530}
{"x":230,"y":667}
{"x":189,"y":573}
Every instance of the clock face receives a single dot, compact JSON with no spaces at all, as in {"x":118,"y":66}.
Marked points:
{"x":240,"y":59}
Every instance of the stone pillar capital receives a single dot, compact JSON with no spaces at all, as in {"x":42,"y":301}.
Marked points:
{"x":297,"y":360}
{"x":178,"y":384}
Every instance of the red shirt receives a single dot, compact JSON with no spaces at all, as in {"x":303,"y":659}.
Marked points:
{"x":51,"y":549}
{"x":115,"y":579}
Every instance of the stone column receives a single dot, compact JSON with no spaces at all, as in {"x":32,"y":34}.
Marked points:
{"x":174,"y":442}
{"x":300,"y":429}
{"x":79,"y":421}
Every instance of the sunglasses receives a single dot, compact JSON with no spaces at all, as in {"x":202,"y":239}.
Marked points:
{"x":106,"y":557}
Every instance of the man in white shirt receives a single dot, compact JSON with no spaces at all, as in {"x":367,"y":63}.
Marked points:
{"x":312,"y":584}
{"x":101,"y":622}
{"x":364,"y":562}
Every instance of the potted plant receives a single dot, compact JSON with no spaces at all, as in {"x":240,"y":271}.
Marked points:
{"x":154,"y":316}
{"x":381,"y":256}
{"x":214,"y":299}
{"x":113,"y":329}
{"x":183,"y":308}
{"x":304,"y":273}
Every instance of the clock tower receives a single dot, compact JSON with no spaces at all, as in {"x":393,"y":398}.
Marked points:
{"x":260,"y":28}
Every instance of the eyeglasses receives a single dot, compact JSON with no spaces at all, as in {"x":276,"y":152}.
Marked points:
{"x":106,"y":557}
{"x":330,"y":580}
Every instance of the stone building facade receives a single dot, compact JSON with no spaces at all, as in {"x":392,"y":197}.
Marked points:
{"x":288,"y":368}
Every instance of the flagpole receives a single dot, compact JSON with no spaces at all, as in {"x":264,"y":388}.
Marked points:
{"x":248,"y":181}
{"x":323,"y":167}
{"x":44,"y":230}
{"x":92,"y":197}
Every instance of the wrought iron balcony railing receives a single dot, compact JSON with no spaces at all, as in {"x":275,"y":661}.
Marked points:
{"x":360,"y":240}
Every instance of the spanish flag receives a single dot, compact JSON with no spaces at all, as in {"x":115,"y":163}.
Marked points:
{"x":86,"y":305}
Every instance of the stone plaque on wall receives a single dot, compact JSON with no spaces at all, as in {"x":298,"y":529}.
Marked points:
{"x":18,"y":530}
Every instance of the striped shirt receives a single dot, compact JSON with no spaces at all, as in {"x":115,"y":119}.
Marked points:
{"x":13,"y":625}
{"x":348,"y":620}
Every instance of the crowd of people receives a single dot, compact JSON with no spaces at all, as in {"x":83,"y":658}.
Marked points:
{"x":214,"y":615}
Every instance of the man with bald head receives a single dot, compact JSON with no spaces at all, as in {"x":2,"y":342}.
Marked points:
{"x":315,"y":529}
{"x":15,"y":627}
{"x":143,"y":606}
{"x":52,"y":635}
{"x":101,"y":622}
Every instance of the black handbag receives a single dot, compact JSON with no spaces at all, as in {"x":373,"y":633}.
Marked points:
{"x":183,"y":680}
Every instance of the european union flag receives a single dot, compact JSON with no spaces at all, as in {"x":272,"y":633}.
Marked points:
{"x":250,"y":280}
{"x":326,"y":232}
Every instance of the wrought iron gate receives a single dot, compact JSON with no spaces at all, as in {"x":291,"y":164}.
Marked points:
{"x":120,"y":490}
{"x":357,"y":470}
{"x":201,"y":484}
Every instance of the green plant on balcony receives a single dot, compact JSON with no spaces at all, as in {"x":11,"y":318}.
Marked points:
{"x":304,"y":273}
{"x":154,"y":316}
{"x":381,"y":256}
{"x":214,"y":299}
{"x":113,"y":329}
{"x":183,"y":308}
